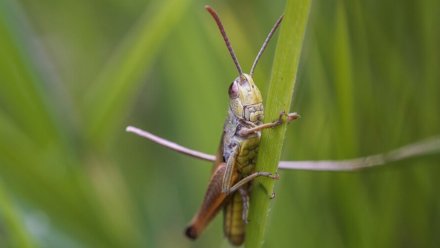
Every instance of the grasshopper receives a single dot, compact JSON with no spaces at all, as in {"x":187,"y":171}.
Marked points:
{"x":234,"y":163}
{"x":234,"y":166}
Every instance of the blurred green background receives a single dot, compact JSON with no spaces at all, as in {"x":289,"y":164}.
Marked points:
{"x":74,"y":74}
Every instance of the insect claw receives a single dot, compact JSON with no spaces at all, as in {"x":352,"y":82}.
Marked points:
{"x":293,"y":116}
{"x":275,"y":176}
{"x":245,"y":220}
{"x":279,"y":121}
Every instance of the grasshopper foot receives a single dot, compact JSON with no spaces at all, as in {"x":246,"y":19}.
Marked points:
{"x":275,"y":176}
{"x":293,"y":116}
{"x":289,"y":117}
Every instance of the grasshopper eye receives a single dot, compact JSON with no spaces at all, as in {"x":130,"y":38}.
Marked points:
{"x":233,"y":90}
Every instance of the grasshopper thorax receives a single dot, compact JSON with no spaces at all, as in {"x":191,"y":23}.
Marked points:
{"x":245,"y":99}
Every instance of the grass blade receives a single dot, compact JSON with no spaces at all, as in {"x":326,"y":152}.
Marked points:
{"x":280,"y":93}
{"x":109,"y":98}
{"x":17,"y":233}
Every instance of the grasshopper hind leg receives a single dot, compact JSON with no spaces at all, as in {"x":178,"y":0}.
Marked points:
{"x":289,"y":117}
{"x":245,"y":199}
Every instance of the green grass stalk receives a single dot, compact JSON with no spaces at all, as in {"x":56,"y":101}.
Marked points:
{"x":279,"y":97}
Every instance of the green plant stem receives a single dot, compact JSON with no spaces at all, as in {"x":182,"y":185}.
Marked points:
{"x":280,"y":94}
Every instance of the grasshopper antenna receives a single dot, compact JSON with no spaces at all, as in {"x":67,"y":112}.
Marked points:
{"x":225,"y":37}
{"x":263,"y":47}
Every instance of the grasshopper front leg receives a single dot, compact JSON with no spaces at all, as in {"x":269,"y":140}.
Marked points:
{"x":290,"y":117}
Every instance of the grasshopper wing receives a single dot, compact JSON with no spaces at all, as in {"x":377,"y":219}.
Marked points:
{"x":212,"y":203}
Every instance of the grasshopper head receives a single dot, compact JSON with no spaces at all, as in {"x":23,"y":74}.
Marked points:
{"x":245,"y":99}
